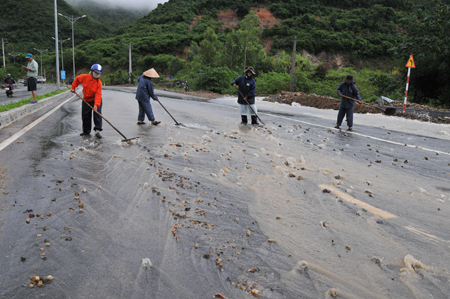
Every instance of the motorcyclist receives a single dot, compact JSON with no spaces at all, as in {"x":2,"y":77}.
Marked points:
{"x":9,"y":80}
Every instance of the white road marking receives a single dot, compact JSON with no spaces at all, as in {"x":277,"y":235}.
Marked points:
{"x":14,"y":137}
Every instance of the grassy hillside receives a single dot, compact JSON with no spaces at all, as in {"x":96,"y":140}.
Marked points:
{"x":30,"y":23}
{"x":210,"y":41}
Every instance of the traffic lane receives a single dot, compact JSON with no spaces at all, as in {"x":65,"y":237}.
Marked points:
{"x":389,"y":139}
{"x":123,"y":172}
{"x":379,"y":185}
{"x":118,"y":220}
{"x":21,"y":92}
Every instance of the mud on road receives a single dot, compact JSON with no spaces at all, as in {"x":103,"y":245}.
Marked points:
{"x":219,"y":209}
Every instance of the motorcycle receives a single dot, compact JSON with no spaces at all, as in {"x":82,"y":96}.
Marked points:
{"x":9,"y":91}
{"x":183,"y":84}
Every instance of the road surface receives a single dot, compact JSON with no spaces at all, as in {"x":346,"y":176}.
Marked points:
{"x":292,"y":209}
{"x":21,"y":92}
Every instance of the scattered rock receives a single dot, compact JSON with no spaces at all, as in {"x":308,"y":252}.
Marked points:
{"x":146,"y":263}
{"x":249,"y":233}
{"x":380,"y":221}
{"x":206,"y":138}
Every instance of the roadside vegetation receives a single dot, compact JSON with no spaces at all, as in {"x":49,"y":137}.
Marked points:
{"x":372,"y":39}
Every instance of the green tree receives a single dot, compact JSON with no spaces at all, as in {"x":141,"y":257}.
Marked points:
{"x":193,"y":51}
{"x":243,"y":44}
{"x":210,"y":48}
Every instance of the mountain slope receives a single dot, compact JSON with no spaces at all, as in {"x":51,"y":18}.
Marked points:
{"x":31,"y":23}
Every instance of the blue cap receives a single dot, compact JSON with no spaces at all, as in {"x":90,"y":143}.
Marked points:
{"x":29,"y":55}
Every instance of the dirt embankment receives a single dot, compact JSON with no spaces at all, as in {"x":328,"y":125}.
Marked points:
{"x":324,"y":102}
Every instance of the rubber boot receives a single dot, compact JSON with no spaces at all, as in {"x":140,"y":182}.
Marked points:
{"x":254,"y":120}
{"x":244,"y":119}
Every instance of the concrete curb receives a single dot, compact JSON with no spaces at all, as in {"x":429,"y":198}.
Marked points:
{"x":10,"y":116}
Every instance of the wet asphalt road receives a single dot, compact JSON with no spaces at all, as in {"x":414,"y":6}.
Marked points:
{"x":293,"y":209}
{"x":21,"y":92}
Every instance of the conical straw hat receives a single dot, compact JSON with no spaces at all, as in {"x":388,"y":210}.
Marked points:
{"x":151,"y":73}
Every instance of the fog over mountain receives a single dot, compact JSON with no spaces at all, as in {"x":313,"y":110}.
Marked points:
{"x":146,"y":5}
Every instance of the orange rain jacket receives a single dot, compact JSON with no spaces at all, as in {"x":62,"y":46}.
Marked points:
{"x":92,"y":88}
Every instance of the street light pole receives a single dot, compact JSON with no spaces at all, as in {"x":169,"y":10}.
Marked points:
{"x":61,"y":41}
{"x":14,"y":56}
{"x":72,"y":20}
{"x":4,"y":40}
{"x":40,"y":54}
{"x":56,"y":47}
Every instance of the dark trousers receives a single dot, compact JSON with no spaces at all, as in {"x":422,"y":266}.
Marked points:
{"x":86,"y":116}
{"x":145,"y":108}
{"x":342,"y":112}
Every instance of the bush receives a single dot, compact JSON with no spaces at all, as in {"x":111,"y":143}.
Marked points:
{"x":385,"y":84}
{"x":272,"y":82}
{"x":215,"y":79}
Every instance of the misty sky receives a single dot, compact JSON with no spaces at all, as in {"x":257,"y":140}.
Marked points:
{"x":132,"y":4}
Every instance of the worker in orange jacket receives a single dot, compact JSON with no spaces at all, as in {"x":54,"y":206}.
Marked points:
{"x":92,"y":93}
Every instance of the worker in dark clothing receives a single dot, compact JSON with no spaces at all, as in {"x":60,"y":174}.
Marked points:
{"x":144,"y":92}
{"x":246,"y":95}
{"x":349,"y":89}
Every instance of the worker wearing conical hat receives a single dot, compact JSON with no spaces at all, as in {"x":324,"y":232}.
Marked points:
{"x":143,"y":94}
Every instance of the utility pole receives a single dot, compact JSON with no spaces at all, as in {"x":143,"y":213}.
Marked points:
{"x":4,"y":40}
{"x":40,"y":54}
{"x":62,"y":50}
{"x":294,"y":54}
{"x":56,"y":47}
{"x":130,"y":69}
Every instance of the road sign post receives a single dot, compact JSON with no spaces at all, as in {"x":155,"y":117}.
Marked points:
{"x":410,"y":65}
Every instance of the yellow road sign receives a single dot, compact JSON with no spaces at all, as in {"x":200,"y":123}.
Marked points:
{"x":411,"y":63}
